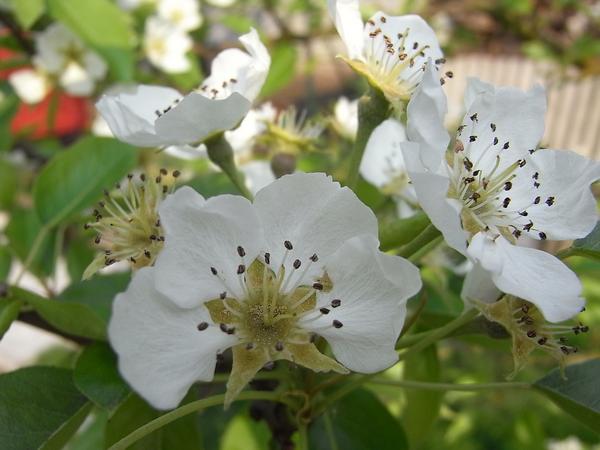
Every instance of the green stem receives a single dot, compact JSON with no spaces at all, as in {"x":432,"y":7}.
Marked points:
{"x":302,"y":436}
{"x":400,"y":232}
{"x":429,"y":339}
{"x":372,"y":110}
{"x":330,"y":433}
{"x":33,"y":251}
{"x":220,"y":152}
{"x":422,"y":240}
{"x":439,"y":333}
{"x":189,"y":408}
{"x":566,"y":253}
{"x":430,"y":246}
{"x":410,"y":384}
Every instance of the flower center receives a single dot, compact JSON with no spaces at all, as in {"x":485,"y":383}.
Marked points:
{"x":484,"y":185}
{"x":127,"y":221}
{"x":268,"y":312}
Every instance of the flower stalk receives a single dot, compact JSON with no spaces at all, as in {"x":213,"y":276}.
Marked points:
{"x":220,"y":152}
{"x":372,"y":110}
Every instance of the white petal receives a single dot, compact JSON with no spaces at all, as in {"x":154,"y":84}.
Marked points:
{"x":186,"y":152}
{"x":530,"y":274}
{"x":382,"y":160}
{"x":233,"y":70}
{"x":242,"y":138}
{"x":76,"y":81}
{"x":517,"y":118}
{"x":258,"y":174}
{"x":202,"y":234}
{"x":431,"y":189}
{"x":348,"y":22}
{"x":30,"y":85}
{"x":197,"y":117}
{"x":161,"y":351}
{"x":426,"y":111}
{"x":314,"y":213}
{"x":567,"y":177}
{"x":346,"y":116}
{"x":131,"y":114}
{"x":373,"y":288}
{"x":478,"y":285}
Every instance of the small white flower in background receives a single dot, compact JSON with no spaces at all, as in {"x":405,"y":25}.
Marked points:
{"x":257,"y":174}
{"x":264,"y":279}
{"x":221,"y":3}
{"x":183,"y":14}
{"x":495,"y":186}
{"x":243,"y":138}
{"x":383,"y":165}
{"x":345,"y":113}
{"x":291,"y":131}
{"x":127,"y":222}
{"x":30,"y":85}
{"x":389,"y":51}
{"x":152,"y":116}
{"x":62,"y":55}
{"x":166,"y":46}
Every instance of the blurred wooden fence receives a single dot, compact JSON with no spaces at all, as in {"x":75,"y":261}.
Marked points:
{"x":573,"y":116}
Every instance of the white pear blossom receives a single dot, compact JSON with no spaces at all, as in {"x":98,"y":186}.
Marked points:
{"x":61,"y":54}
{"x":495,"y":187}
{"x":383,"y":165}
{"x":345,"y":113}
{"x":243,"y":138}
{"x":30,"y":85}
{"x":183,"y":14}
{"x":264,"y":279}
{"x":151,"y":116}
{"x":166,"y":45}
{"x":389,"y":51}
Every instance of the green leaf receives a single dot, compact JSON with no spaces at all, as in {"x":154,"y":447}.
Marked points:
{"x":70,"y":317}
{"x":28,"y":11}
{"x":590,"y":245}
{"x":97,"y":293}
{"x":283,"y":62}
{"x":79,"y":254}
{"x":351,"y":424}
{"x":243,"y":433}
{"x":75,"y":178}
{"x":102,"y":25}
{"x":22,"y":230}
{"x":422,"y":406}
{"x":578,"y":394}
{"x":213,"y":183}
{"x":8,"y":186}
{"x":97,"y":377}
{"x":239,"y":24}
{"x":39,"y":408}
{"x":5,"y":262}
{"x":401,"y":231}
{"x":182,"y":434}
{"x":9,"y":310}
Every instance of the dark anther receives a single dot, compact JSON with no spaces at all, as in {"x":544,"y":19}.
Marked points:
{"x":231,"y":330}
{"x":468,"y":164}
{"x":297,"y":264}
{"x":522,"y":163}
{"x":288,"y":245}
{"x":324,"y":311}
{"x":223,"y":295}
{"x":158,"y":179}
{"x":202,"y":326}
{"x":542,"y":341}
{"x":506,"y":202}
{"x":337,"y":324}
{"x":517,"y":233}
{"x":213,"y":270}
{"x":550,"y":201}
{"x":531,"y":334}
{"x":268,"y":258}
{"x":535,"y":175}
{"x":147,"y":254}
{"x":335,"y":303}
{"x":493,"y":126}
{"x":279,"y":346}
{"x":129,"y":176}
{"x":564,"y":349}
{"x":241,"y":269}
{"x":241,"y":251}
{"x":415,"y":45}
{"x":472,"y":138}
{"x":318,"y":286}
{"x":143,"y":176}
{"x":536,"y":185}
{"x":506,"y":145}
{"x":450,"y":74}
{"x":536,"y":200}
{"x":523,"y":213}
{"x":176,"y":173}
{"x":97,"y":239}
{"x":474,"y":118}
{"x":477,"y":172}
{"x":314,"y":257}
{"x":440,"y":60}
{"x":528,"y":226}
{"x":163,"y":171}
{"x":223,"y":327}
{"x":165,"y":189}
{"x":542,"y":235}
{"x":132,"y":259}
{"x":507,"y":186}
{"x":495,"y":140}
{"x":153,"y":237}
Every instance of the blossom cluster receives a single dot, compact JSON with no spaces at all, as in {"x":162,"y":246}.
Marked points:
{"x":299,"y":265}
